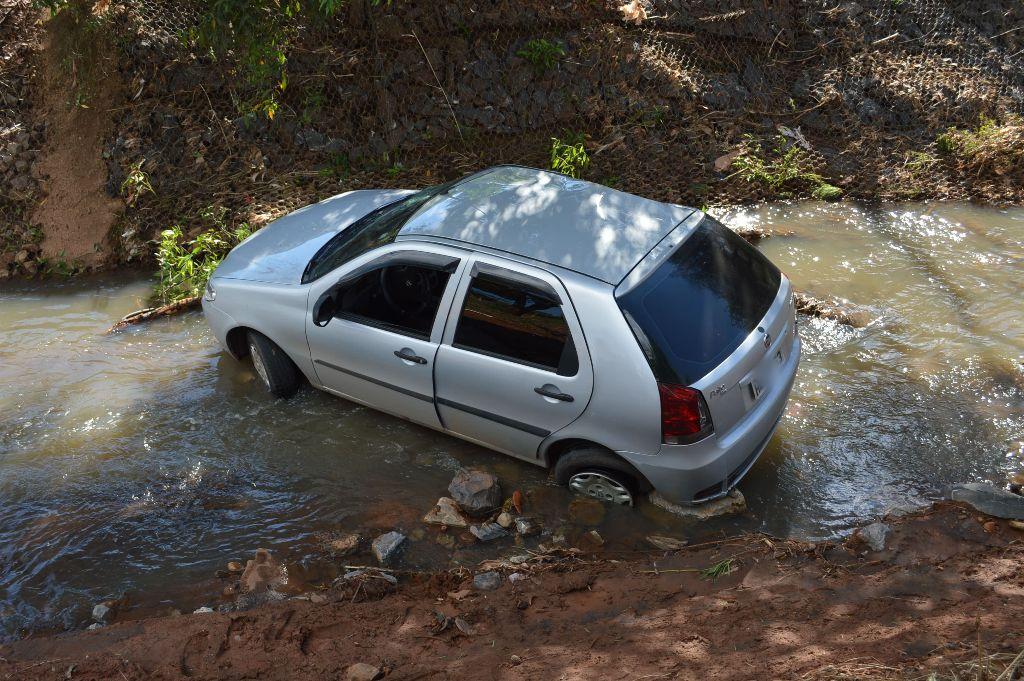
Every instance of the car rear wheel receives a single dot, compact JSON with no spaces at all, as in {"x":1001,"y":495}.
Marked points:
{"x":599,"y":474}
{"x":277,"y":371}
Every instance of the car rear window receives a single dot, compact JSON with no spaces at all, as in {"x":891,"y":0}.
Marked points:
{"x":697,"y":307}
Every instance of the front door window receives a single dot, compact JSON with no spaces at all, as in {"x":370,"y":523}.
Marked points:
{"x":399,"y":298}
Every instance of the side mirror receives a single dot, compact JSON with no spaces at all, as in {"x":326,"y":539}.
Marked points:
{"x":325,"y":307}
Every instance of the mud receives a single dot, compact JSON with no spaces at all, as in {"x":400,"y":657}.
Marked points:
{"x":945,"y":592}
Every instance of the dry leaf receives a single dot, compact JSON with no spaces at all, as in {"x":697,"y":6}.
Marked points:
{"x":633,"y":11}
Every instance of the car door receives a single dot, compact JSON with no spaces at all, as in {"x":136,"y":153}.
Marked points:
{"x":378,"y":344}
{"x":513,"y":366}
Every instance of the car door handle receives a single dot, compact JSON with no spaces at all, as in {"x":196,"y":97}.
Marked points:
{"x":409,"y":356}
{"x":553,"y":392}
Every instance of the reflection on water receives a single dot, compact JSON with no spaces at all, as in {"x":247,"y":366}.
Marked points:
{"x":141,"y":462}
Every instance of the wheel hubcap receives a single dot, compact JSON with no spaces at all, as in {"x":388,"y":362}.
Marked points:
{"x":601,"y":487}
{"x":257,"y":363}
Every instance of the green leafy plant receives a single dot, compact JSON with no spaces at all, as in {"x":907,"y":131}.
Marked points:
{"x":186,"y":265}
{"x":542,"y":53}
{"x":568,"y":156}
{"x":719,"y":569}
{"x":135,"y":184}
{"x":786,"y":168}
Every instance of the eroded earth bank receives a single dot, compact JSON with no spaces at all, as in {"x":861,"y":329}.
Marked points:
{"x":939,"y":591}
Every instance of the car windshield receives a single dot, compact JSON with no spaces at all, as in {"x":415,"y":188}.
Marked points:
{"x":377,"y":228}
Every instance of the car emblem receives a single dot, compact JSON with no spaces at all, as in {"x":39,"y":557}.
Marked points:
{"x":718,"y":390}
{"x":767,"y":337}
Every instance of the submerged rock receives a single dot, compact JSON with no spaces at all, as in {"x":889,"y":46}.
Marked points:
{"x":261,"y":574}
{"x":100,"y":612}
{"x":586,"y":511}
{"x":734,"y":502}
{"x":666,"y":543}
{"x":842,"y":311}
{"x":476,"y":492}
{"x":387,"y":546}
{"x":874,"y":535}
{"x":446,"y":512}
{"x":342,"y":546}
{"x":505,"y":520}
{"x":527,"y":526}
{"x":990,"y":500}
{"x":487,"y":581}
{"x":488,"y":531}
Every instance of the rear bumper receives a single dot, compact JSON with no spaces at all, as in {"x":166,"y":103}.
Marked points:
{"x":709,"y":469}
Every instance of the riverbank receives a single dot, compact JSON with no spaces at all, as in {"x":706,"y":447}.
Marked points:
{"x":699,"y":103}
{"x":945,"y":594}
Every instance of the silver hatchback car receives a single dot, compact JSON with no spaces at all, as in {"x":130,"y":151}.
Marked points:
{"x":628,"y":344}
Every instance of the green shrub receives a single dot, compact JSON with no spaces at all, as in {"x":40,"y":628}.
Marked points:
{"x":185,"y":267}
{"x":992,"y":147}
{"x":542,"y":53}
{"x":569,"y":156}
{"x":782,"y":171}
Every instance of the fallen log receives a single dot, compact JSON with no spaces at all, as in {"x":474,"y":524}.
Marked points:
{"x":151,"y":313}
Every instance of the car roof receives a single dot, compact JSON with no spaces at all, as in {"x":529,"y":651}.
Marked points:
{"x":549,"y":217}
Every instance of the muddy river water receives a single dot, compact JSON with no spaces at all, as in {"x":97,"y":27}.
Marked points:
{"x":142,"y":461}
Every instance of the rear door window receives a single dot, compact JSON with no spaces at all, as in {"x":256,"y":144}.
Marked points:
{"x":700,"y":304}
{"x":514,"y":321}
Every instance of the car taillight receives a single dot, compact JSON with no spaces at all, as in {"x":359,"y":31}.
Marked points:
{"x":684,"y":414}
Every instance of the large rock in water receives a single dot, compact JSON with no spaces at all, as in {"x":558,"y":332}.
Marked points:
{"x":990,"y":500}
{"x":387,"y":546}
{"x":477,"y":493}
{"x":446,"y":512}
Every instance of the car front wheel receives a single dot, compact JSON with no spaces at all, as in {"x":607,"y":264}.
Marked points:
{"x":277,"y":371}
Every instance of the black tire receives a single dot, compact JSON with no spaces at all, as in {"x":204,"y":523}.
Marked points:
{"x":279,"y":372}
{"x":601,"y":462}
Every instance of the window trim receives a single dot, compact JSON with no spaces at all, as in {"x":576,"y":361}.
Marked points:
{"x":517,"y":279}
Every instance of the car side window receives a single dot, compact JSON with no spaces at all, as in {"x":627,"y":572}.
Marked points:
{"x":402,"y":298}
{"x":515,"y":321}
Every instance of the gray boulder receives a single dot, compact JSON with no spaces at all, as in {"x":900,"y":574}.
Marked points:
{"x":488,"y":531}
{"x":100,"y":612}
{"x":387,"y":546}
{"x":476,"y":492}
{"x":990,"y":500}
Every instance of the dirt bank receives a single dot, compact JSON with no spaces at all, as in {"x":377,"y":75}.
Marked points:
{"x":944,"y":595}
{"x":709,"y":102}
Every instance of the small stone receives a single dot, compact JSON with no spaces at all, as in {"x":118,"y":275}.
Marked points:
{"x":228,"y":591}
{"x":990,"y":500}
{"x":446,"y":540}
{"x":476,"y":492}
{"x":594,"y":538}
{"x":234,"y":566}
{"x":991,"y":526}
{"x":586,"y":511}
{"x":517,"y":577}
{"x":527,"y":526}
{"x":515,"y":660}
{"x":446,"y":512}
{"x":361,"y":671}
{"x":488,"y":531}
{"x":100,"y":612}
{"x":203,"y":610}
{"x":21,"y":257}
{"x":1017,"y":525}
{"x":1017,"y":483}
{"x":874,"y":535}
{"x":505,"y":520}
{"x":342,"y":546}
{"x":95,"y":625}
{"x":317,"y":598}
{"x":487,"y":581}
{"x":387,"y":546}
